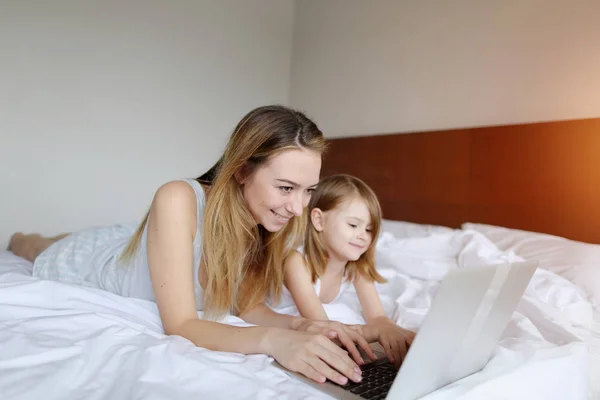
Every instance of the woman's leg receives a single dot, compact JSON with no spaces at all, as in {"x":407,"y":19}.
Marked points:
{"x":30,"y":246}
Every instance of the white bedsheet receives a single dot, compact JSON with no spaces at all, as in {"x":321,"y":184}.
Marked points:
{"x":594,"y":349}
{"x":66,"y":342}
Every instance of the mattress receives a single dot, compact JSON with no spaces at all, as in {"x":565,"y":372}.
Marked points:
{"x":69,"y":342}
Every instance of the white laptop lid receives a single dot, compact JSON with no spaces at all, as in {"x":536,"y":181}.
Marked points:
{"x":469,"y":313}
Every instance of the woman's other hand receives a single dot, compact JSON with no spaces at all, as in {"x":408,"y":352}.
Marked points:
{"x":345,"y":334}
{"x":313,"y":355}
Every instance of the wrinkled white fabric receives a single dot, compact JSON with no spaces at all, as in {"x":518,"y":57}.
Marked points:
{"x":71,"y":342}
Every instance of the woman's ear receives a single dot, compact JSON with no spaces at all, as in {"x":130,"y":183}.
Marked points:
{"x":317,"y":217}
{"x":241,"y":174}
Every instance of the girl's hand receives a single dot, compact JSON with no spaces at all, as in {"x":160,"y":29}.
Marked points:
{"x":394,"y":339}
{"x":311,"y":354}
{"x":345,"y":334}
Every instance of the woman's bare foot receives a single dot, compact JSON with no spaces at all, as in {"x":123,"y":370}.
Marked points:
{"x":30,"y":246}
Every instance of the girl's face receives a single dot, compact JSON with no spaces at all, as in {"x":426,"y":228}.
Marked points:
{"x":346,"y":229}
{"x":280,"y":189}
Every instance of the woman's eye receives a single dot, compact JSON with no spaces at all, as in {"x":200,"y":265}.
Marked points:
{"x":286,"y":189}
{"x":353,"y":225}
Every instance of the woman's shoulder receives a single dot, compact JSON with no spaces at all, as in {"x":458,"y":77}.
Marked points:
{"x":176,"y":190}
{"x":177,"y":194}
{"x":182,"y":189}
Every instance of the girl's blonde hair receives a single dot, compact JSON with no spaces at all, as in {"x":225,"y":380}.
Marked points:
{"x":331,"y":192}
{"x":243,"y":260}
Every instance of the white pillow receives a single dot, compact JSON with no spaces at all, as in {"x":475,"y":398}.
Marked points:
{"x":11,"y":263}
{"x":576,"y":261}
{"x":403,"y":229}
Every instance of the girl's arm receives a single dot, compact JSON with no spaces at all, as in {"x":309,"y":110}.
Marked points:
{"x":171,"y":229}
{"x":368,"y":298}
{"x":394,"y":339}
{"x":297,"y":279}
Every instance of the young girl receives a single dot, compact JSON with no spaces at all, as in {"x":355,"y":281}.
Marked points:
{"x":339,"y":249}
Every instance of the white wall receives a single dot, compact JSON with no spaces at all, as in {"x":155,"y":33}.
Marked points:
{"x":103,"y":101}
{"x":365,"y":67}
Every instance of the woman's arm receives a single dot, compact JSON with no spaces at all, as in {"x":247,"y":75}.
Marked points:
{"x":171,"y":228}
{"x":263,"y":315}
{"x":297,"y":279}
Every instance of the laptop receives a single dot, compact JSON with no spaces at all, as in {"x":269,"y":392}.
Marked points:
{"x":459,"y":334}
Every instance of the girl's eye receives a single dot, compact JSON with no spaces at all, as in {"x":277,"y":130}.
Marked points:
{"x":310,"y":191}
{"x":286,"y":189}
{"x":353,"y":225}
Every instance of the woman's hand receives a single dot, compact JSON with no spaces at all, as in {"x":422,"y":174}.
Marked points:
{"x":345,"y":334}
{"x":394,"y":339}
{"x":311,"y":354}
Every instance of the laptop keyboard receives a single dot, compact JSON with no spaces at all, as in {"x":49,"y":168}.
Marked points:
{"x":377,"y":378}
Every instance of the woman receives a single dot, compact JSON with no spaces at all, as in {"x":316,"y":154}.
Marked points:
{"x":217,"y":244}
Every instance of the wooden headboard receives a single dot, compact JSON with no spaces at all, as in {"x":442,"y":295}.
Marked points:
{"x":542,"y":177}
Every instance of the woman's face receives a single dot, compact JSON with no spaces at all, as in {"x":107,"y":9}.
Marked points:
{"x":281,"y":188}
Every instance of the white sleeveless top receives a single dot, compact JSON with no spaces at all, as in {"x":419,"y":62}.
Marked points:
{"x":286,"y":297}
{"x":287,"y":300}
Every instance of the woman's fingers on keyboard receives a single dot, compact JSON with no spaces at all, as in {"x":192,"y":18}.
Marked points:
{"x":312,"y":373}
{"x":338,"y":359}
{"x":324,"y":370}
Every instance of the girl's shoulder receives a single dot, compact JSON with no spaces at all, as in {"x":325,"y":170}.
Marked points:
{"x":295,"y":257}
{"x":295,"y":262}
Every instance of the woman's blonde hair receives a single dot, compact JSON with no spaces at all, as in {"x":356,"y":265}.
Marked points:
{"x":332,"y":192}
{"x":243,"y":260}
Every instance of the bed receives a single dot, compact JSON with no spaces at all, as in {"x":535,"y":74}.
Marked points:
{"x":531,"y":189}
{"x":70,"y":342}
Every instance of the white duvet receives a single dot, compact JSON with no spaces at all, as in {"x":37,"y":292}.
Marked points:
{"x":65,"y":342}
